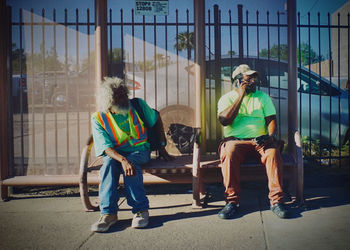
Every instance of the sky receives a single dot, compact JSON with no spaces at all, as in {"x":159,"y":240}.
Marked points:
{"x":271,"y":6}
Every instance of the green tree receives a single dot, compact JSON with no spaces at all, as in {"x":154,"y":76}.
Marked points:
{"x":185,"y":41}
{"x":274,"y":52}
{"x":305,"y":53}
{"x":18,"y":59}
{"x":231,"y":52}
{"x":307,"y":56}
{"x":44,"y":60}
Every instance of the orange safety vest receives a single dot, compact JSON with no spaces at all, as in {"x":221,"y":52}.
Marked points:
{"x":137,"y":135}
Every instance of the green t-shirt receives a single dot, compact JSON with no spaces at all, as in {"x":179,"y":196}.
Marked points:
{"x":250,"y":120}
{"x":102,"y":140}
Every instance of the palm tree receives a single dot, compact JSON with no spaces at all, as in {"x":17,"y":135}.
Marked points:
{"x":185,"y":40}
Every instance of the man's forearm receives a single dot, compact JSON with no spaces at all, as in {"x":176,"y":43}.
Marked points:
{"x":114,"y":154}
{"x":227,"y":116}
{"x":271,"y":125}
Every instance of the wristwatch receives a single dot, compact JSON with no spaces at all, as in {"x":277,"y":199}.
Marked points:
{"x":163,"y":143}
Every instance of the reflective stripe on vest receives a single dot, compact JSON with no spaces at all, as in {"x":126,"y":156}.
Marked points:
{"x":117,"y":135}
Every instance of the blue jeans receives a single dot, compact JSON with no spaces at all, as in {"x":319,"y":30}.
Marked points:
{"x":134,"y":189}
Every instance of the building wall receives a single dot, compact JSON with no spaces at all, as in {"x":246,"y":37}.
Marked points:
{"x":343,"y":53}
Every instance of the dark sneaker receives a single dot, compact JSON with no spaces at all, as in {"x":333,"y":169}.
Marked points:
{"x":228,"y":211}
{"x":279,"y":210}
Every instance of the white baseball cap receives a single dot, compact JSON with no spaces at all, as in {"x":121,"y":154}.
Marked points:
{"x":242,"y":70}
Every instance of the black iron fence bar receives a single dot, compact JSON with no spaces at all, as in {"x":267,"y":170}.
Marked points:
{"x":152,"y":24}
{"x":231,"y":49}
{"x":177,"y":56}
{"x":247,"y":34}
{"x":323,"y":26}
{"x":257,"y":35}
{"x":88,"y":63}
{"x":209,"y":69}
{"x":77,"y":85}
{"x":155,"y":59}
{"x":348,"y":82}
{"x":249,"y":24}
{"x":122,"y":35}
{"x":240,"y":31}
{"x":268,"y":51}
{"x":178,"y":24}
{"x":166,"y":59}
{"x":133,"y":52}
{"x":66,"y":83}
{"x":188,"y":57}
{"x":339,"y":113}
{"x":257,"y":38}
{"x":32,"y":90}
{"x":43,"y":88}
{"x":217,"y":66}
{"x":110,"y":42}
{"x":330,"y":96}
{"x":144,"y":58}
{"x":279,"y":71}
{"x":319,"y":79}
{"x":299,"y":50}
{"x":10,"y":141}
{"x":21,"y":87}
{"x":309,"y":79}
{"x":55,"y":81}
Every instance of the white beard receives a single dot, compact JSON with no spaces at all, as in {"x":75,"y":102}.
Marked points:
{"x":120,"y":110}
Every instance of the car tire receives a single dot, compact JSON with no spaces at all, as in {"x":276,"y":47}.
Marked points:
{"x":59,"y":100}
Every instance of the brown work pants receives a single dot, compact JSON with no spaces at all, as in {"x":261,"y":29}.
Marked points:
{"x":232,"y":154}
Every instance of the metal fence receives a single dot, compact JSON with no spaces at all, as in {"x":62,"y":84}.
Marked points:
{"x":52,"y":65}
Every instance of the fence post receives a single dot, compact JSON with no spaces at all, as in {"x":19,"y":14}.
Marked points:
{"x":292,"y":95}
{"x":217,"y":67}
{"x":292,"y":74}
{"x":199,"y":62}
{"x":101,"y":56}
{"x":4,"y":101}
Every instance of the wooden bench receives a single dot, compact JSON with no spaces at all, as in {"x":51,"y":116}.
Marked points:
{"x":181,"y":171}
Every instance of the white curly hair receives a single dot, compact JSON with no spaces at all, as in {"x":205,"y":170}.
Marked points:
{"x":105,"y":93}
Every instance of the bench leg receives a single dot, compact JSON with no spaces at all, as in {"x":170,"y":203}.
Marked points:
{"x":196,"y":180}
{"x":4,"y":192}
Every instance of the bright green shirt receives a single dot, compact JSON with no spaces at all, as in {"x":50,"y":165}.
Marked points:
{"x":102,"y":140}
{"x":250,"y":120}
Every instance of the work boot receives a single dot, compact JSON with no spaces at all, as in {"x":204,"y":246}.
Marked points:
{"x":140,"y":219}
{"x":104,"y":223}
{"x":279,"y":210}
{"x":228,"y":211}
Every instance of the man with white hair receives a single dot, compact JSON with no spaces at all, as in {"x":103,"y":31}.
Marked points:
{"x":120,"y":135}
{"x":249,"y":119}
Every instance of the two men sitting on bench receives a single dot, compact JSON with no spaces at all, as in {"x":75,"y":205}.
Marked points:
{"x":249,"y":119}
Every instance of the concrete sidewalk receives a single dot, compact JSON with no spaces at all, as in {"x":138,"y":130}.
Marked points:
{"x":60,"y":223}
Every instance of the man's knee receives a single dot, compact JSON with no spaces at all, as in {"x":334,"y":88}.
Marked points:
{"x":273,"y":155}
{"x":231,"y":151}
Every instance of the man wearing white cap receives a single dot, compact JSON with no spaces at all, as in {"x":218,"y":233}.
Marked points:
{"x":249,"y":119}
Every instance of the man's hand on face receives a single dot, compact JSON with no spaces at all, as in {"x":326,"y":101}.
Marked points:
{"x":242,"y":85}
{"x":164,"y":154}
{"x":128,"y":168}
